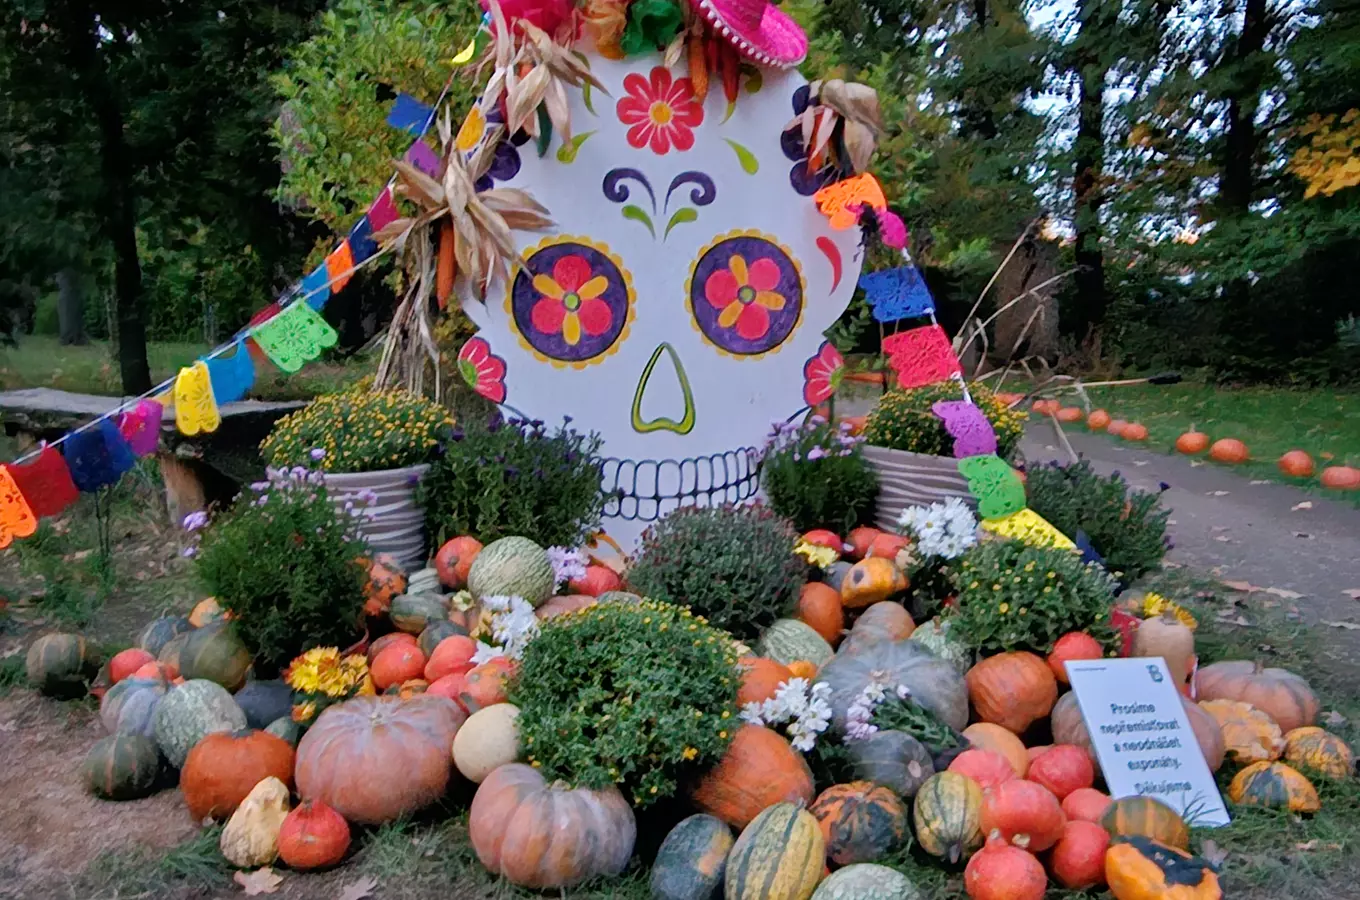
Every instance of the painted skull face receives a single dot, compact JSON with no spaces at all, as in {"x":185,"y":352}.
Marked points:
{"x":685,"y":288}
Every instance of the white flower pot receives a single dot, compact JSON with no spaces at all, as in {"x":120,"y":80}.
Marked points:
{"x":395,"y":523}
{"x":913,"y":479}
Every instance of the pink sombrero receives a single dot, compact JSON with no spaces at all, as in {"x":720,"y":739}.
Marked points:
{"x":758,"y":29}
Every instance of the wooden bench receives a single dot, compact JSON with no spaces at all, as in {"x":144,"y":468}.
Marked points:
{"x":198,"y":470}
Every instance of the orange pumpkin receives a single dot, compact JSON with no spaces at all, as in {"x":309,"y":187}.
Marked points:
{"x":409,"y":688}
{"x":385,"y":583}
{"x":223,"y":767}
{"x":886,"y":621}
{"x":871,"y":580}
{"x":561,"y":605}
{"x":1078,"y":859}
{"x":819,"y":605}
{"x":1296,"y":464}
{"x":1074,"y":645}
{"x":861,"y":822}
{"x":1116,"y":427}
{"x":1086,"y":805}
{"x":1229,"y":450}
{"x":759,"y":770}
{"x":487,"y":684}
{"x":803,"y":668}
{"x":597,"y":580}
{"x":452,"y":687}
{"x":1063,"y":769}
{"x":1026,"y":814}
{"x":888,"y":545}
{"x":1192,"y":442}
{"x":986,"y":736}
{"x":1001,"y":872}
{"x":860,"y":539}
{"x":313,"y":836}
{"x":453,"y":656}
{"x":387,"y":640}
{"x":1134,"y":431}
{"x":760,"y":678}
{"x":1070,"y":414}
{"x":549,"y":836}
{"x":821,"y":537}
{"x":1013,"y":690}
{"x":1279,"y":693}
{"x":454,"y":559}
{"x":1098,"y":420}
{"x":207,"y":611}
{"x":127,"y":662}
{"x":398,"y":663}
{"x":986,"y":768}
{"x":1341,"y":478}
{"x":408,"y":742}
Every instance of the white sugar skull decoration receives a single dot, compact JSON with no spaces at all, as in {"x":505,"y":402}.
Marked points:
{"x":677,"y":307}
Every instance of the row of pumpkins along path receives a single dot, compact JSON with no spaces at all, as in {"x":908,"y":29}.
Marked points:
{"x":1230,"y":451}
{"x":1009,"y":793}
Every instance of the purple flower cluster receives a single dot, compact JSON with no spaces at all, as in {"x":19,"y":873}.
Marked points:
{"x":812,"y":440}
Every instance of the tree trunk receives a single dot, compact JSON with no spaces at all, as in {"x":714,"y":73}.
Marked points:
{"x":1237,"y":178}
{"x":117,"y":201}
{"x":1088,"y":173}
{"x":70,"y":307}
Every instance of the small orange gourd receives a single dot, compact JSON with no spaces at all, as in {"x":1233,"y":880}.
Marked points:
{"x":1341,"y":478}
{"x":803,"y":668}
{"x":1070,"y":414}
{"x":1192,"y":442}
{"x":1073,"y":646}
{"x":819,"y":605}
{"x":1116,"y":427}
{"x":1098,"y":420}
{"x":1296,"y":464}
{"x":1229,"y":450}
{"x":871,"y":580}
{"x":1134,"y":431}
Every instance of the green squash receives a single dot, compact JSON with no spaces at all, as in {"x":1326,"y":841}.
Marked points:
{"x":867,"y":881}
{"x":780,"y":856}
{"x":948,"y":816}
{"x":789,"y":640}
{"x":692,"y":860}
{"x":861,"y":822}
{"x":893,"y":759}
{"x":435,"y":632}
{"x":169,"y":657}
{"x":264,"y":701}
{"x":284,"y":727}
{"x":129,"y":707}
{"x":412,"y":613}
{"x":935,"y":636}
{"x":512,"y":566}
{"x":122,"y":767}
{"x":190,"y":712}
{"x":60,"y":665}
{"x":159,"y":632}
{"x":933,"y":683}
{"x":215,"y":653}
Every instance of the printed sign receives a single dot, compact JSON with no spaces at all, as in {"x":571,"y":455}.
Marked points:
{"x":1143,"y":738}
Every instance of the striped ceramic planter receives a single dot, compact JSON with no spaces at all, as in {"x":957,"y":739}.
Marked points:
{"x":395,"y":524}
{"x":912,"y":479}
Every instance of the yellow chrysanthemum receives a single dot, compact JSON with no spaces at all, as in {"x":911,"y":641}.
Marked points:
{"x":815,"y":555}
{"x":1155,"y":605}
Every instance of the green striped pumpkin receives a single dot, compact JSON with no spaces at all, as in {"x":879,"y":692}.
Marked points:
{"x":692,"y":860}
{"x":435,"y":632}
{"x":948,"y":814}
{"x":215,"y":653}
{"x":59,"y":664}
{"x":412,"y":613}
{"x":789,"y":640}
{"x":129,"y":707}
{"x":780,"y":856}
{"x":190,"y":712}
{"x":514,"y":567}
{"x":160,"y":631}
{"x":286,"y":729}
{"x":867,"y":881}
{"x":122,"y":767}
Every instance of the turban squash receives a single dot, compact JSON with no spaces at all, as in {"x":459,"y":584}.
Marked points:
{"x":860,"y":822}
{"x":1139,"y":868}
{"x":1274,"y":785}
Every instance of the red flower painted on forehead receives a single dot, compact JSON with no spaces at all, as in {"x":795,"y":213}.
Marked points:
{"x":661,"y":112}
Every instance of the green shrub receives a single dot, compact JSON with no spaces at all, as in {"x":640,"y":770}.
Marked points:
{"x":734,"y":565}
{"x":1011,"y":596}
{"x":815,"y":476}
{"x":641,"y":696}
{"x":495,"y":479}
{"x":358,"y":430}
{"x":903,"y":420}
{"x":287,"y":565}
{"x":1127,"y":527}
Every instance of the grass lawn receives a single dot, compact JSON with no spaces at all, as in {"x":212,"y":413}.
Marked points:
{"x":1325,"y":422}
{"x":92,"y":369}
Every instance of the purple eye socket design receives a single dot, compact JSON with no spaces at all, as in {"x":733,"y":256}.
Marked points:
{"x":746,"y":293}
{"x":572,"y":302}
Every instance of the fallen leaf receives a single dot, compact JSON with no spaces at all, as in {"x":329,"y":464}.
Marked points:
{"x":1284,"y":594}
{"x":358,"y":890}
{"x":1325,"y":455}
{"x":1349,"y":626}
{"x":1333,"y":719}
{"x":1303,"y":534}
{"x":1140,"y":462}
{"x":1353,"y":593}
{"x":1308,"y":845}
{"x":1171,"y":521}
{"x":1259,"y":481}
{"x":1223,"y":539}
{"x":1195,"y":464}
{"x":1219,"y":493}
{"x":1307,"y":504}
{"x":1245,"y":587}
{"x":261,"y":881}
{"x":1210,"y":852}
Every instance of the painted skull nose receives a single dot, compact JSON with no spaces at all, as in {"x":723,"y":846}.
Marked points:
{"x":685,"y":423}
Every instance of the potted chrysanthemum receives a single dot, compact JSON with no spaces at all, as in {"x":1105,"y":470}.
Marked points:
{"x":374,"y":447}
{"x":912,"y":452}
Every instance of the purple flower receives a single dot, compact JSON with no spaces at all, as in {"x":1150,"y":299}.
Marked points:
{"x":317,"y":454}
{"x":189,"y":552}
{"x":368,"y":496}
{"x":815,"y":453}
{"x":258,"y":486}
{"x":195,"y":521}
{"x":262,"y":500}
{"x":298,"y":472}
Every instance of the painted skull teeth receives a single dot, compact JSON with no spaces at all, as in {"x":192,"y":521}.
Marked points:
{"x":651,"y":488}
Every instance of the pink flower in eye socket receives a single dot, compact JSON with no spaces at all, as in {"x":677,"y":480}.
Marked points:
{"x":570,"y":301}
{"x":822,"y":375}
{"x":483,"y":371}
{"x":746,"y":295}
